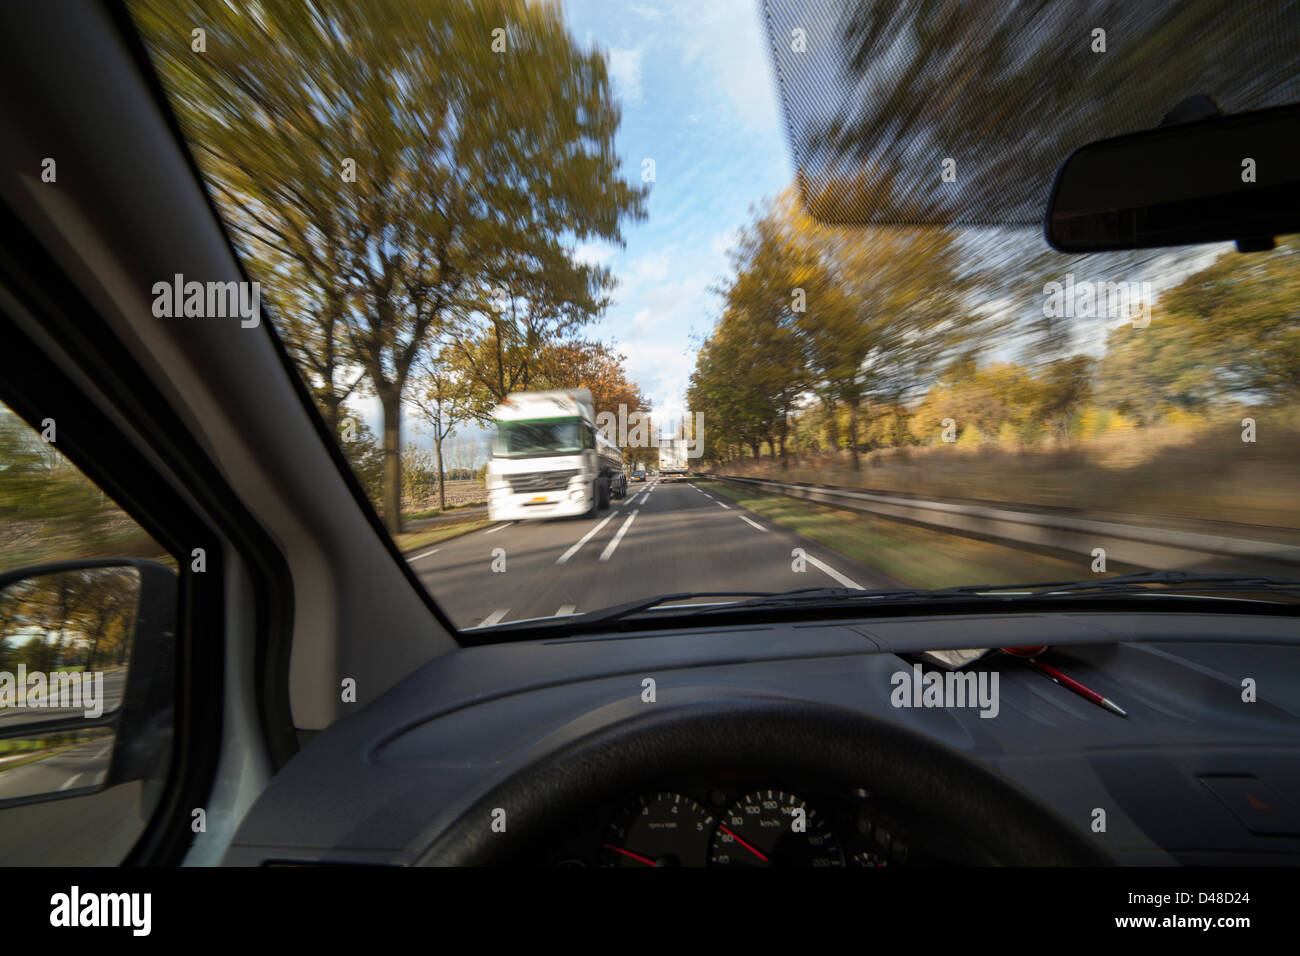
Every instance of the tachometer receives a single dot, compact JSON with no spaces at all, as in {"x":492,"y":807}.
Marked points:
{"x":660,"y":829}
{"x":774,"y":828}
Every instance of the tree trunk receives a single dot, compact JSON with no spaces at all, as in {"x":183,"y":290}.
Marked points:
{"x":442,"y":483}
{"x":832,"y":427}
{"x":391,"y":402}
{"x":853,"y":434}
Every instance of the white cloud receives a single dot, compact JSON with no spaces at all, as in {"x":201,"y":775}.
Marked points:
{"x":647,"y":13}
{"x":652,"y":267}
{"x":592,"y":253}
{"x":723,"y":242}
{"x":731,"y":44}
{"x":625,"y":73}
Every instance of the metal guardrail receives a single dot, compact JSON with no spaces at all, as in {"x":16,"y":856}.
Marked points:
{"x":1133,"y":544}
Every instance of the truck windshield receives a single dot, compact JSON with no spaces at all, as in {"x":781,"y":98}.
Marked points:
{"x":554,"y":436}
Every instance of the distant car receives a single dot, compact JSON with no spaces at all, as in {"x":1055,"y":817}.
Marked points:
{"x":638,"y":474}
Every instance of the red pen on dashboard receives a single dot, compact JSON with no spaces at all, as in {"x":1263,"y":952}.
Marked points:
{"x":1030,"y":655}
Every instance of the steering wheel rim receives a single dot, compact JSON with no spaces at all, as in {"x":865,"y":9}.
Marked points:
{"x":898,"y":764}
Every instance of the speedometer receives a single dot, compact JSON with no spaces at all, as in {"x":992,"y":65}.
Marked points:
{"x":774,"y":828}
{"x":660,"y":829}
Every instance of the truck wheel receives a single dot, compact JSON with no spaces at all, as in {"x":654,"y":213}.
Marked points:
{"x":603,"y":494}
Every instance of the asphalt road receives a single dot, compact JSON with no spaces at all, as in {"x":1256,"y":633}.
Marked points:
{"x":664,"y":537}
{"x":113,"y":688}
{"x":84,"y":765}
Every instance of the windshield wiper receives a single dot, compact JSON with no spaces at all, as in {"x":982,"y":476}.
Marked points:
{"x":645,"y":604}
{"x":1138,"y":583}
{"x":1169,"y":582}
{"x":1172,"y":581}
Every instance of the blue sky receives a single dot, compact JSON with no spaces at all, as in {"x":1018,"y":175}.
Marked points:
{"x":695,"y":83}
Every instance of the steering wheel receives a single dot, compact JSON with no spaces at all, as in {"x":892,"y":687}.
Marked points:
{"x":911,"y":771}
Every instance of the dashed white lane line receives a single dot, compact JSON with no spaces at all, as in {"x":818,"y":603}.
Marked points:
{"x":565,"y":610}
{"x":425,"y":555}
{"x":583,"y":540}
{"x":721,"y":505}
{"x":70,"y":781}
{"x":609,"y":549}
{"x":500,"y":527}
{"x":823,"y":566}
{"x":495,"y":617}
{"x":749,"y":522}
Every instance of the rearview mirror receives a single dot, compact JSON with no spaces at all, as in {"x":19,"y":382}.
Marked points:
{"x":1224,"y":178}
{"x":87,"y":673}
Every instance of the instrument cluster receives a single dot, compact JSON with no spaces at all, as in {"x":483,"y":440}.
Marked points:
{"x":739,"y":824}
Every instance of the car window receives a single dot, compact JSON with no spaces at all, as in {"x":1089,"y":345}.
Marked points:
{"x":76,"y":576}
{"x":590,"y":213}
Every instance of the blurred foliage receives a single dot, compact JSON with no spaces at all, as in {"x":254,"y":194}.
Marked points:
{"x":853,"y":318}
{"x":50,"y":511}
{"x":888,"y":352}
{"x":69,"y":620}
{"x":404,"y":177}
{"x":362,"y":450}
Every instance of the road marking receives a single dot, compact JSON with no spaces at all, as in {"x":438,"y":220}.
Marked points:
{"x":425,"y":555}
{"x":721,"y":505}
{"x":583,"y":540}
{"x":495,"y":617}
{"x":823,"y":566}
{"x":609,"y":550}
{"x":754,"y":523}
{"x":645,"y":497}
{"x":70,"y":781}
{"x":499,"y":527}
{"x":565,"y":610}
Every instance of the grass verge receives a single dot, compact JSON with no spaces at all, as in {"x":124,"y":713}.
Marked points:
{"x":909,"y":554}
{"x":410,"y":540}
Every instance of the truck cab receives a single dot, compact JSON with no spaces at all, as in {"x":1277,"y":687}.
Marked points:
{"x":549,"y":460}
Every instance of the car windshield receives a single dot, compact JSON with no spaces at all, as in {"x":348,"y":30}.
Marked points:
{"x":520,"y":439}
{"x":787,"y":256}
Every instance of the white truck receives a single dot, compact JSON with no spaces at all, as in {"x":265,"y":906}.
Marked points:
{"x":672,"y":459}
{"x":549,"y":460}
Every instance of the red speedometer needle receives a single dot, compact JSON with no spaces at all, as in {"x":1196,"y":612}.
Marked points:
{"x":742,"y":843}
{"x":628,"y":853}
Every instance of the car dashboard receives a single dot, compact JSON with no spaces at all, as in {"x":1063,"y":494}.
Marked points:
{"x":1201,"y":772}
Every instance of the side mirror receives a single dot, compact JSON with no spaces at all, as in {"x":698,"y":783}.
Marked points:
{"x":87,"y":677}
{"x":1218,"y":179}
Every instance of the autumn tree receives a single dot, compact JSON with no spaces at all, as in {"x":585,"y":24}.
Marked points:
{"x":408,"y":160}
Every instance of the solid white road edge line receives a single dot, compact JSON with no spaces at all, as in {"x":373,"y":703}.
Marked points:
{"x":495,"y":617}
{"x":823,"y":566}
